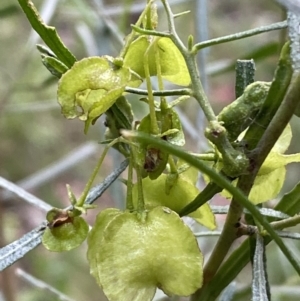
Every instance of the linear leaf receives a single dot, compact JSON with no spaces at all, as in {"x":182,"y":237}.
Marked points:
{"x":290,"y":202}
{"x":47,"y":33}
{"x":293,"y":23}
{"x":272,"y":213}
{"x":288,"y":234}
{"x":23,"y":194}
{"x":17,"y":249}
{"x":264,"y":211}
{"x":259,"y":274}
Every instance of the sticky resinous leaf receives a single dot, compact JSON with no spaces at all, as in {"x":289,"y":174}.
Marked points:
{"x":178,"y":197}
{"x":173,"y":66}
{"x":130,"y":257}
{"x":119,"y":116}
{"x":91,"y":87}
{"x":271,"y":175}
{"x":64,"y":232}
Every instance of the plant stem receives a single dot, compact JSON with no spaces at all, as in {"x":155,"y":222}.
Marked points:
{"x":150,"y":32}
{"x":286,"y":223}
{"x":140,"y":201}
{"x":240,"y":35}
{"x":236,"y":162}
{"x":184,"y":91}
{"x":131,"y":36}
{"x":207,"y":157}
{"x":228,"y":236}
{"x":190,"y":59}
{"x":153,"y":122}
{"x":172,"y":164}
{"x":88,"y":185}
{"x":129,"y":202}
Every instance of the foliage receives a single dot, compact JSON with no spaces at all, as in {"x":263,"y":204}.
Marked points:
{"x":133,"y":252}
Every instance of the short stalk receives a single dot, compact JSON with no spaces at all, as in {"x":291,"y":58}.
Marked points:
{"x":140,"y":201}
{"x":88,"y":186}
{"x":237,"y":163}
{"x":163,"y":101}
{"x":149,"y":17}
{"x":173,"y":168}
{"x":131,"y":36}
{"x":240,"y":35}
{"x":198,"y":92}
{"x":129,"y":202}
{"x":153,"y":121}
{"x":207,"y":157}
{"x":286,"y":223}
{"x":150,"y":32}
{"x":184,"y":91}
{"x":191,"y":63}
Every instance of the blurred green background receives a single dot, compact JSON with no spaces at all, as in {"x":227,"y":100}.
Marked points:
{"x":35,"y":138}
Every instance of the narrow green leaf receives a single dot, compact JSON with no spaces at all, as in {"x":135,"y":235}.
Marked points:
{"x":56,"y":67}
{"x":204,"y":196}
{"x":277,"y":91}
{"x":290,"y":202}
{"x":121,"y":114}
{"x":47,"y":33}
